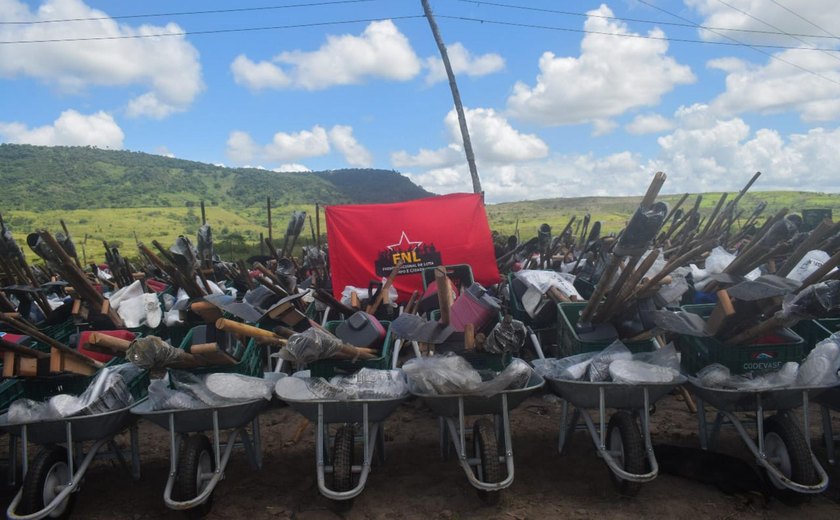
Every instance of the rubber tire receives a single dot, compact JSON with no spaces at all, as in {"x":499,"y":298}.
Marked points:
{"x":487,"y":452}
{"x":802,"y":468}
{"x":186,"y":485}
{"x":623,"y":425}
{"x":344,"y":447}
{"x":32,"y":499}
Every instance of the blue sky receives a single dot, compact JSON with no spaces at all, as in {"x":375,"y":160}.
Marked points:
{"x":563,"y":98}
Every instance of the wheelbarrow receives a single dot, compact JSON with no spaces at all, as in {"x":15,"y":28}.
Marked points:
{"x":369,"y":414}
{"x":623,"y":442}
{"x":782,"y":450}
{"x":196,"y":465}
{"x":51,"y":481}
{"x":492,"y":446}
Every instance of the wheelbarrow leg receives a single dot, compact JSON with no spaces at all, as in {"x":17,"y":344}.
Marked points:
{"x":701,"y":424}
{"x":828,"y":434}
{"x":567,"y":428}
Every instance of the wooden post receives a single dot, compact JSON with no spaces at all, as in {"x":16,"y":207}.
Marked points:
{"x":456,"y":97}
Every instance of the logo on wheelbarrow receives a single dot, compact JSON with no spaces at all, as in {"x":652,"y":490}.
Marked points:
{"x":763,"y":355}
{"x":415,"y":254}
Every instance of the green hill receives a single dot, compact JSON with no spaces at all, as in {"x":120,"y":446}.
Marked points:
{"x":62,"y":177}
{"x":120,"y":196}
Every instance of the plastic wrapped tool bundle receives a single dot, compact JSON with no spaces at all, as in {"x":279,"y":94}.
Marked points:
{"x":507,"y":336}
{"x":815,"y":301}
{"x":107,"y":392}
{"x":310,"y":345}
{"x":185,"y":390}
{"x":152,"y":352}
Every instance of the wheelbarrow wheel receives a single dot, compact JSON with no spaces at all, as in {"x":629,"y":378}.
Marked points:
{"x":40,"y":485}
{"x":344,"y":447}
{"x":196,"y":465}
{"x":487,"y":450}
{"x":786,"y":448}
{"x":624,"y":441}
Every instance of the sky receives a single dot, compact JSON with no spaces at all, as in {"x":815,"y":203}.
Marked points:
{"x":562,"y":98}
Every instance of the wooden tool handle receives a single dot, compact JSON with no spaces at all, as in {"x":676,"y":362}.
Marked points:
{"x":443,"y":293}
{"x":371,"y":309}
{"x":244,"y":329}
{"x":109,"y":342}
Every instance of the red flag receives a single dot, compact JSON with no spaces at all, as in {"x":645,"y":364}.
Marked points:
{"x":366,"y":241}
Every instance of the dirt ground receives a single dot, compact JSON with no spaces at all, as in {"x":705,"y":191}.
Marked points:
{"x":415,"y":482}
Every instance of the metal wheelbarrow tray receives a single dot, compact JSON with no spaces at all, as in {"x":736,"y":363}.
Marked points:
{"x":783,"y":450}
{"x":624,"y":443}
{"x":202,"y":463}
{"x":490,"y":438}
{"x":370,"y":414}
{"x":62,"y":473}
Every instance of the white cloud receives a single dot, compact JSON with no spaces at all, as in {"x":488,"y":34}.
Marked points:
{"x":241,"y":148}
{"x":493,"y":139}
{"x":341,"y":137}
{"x":463,"y":62}
{"x":603,"y":126}
{"x":725,"y":155}
{"x":705,"y":152}
{"x":285,"y":148}
{"x":769,"y":17}
{"x":649,"y":124}
{"x":70,"y":129}
{"x":168,"y":66}
{"x":164,"y":151}
{"x":291,"y":167}
{"x":780,"y":86}
{"x":440,"y":158}
{"x":298,"y":145}
{"x":612,"y":75}
{"x":257,"y":76}
{"x":567,"y":175}
{"x":380,"y":52}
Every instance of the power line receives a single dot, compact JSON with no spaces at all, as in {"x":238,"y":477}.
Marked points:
{"x":754,"y":47}
{"x":768,"y":24}
{"x":652,"y":22}
{"x":184,"y":13}
{"x":804,"y":19}
{"x":210,"y":31}
{"x":734,"y":43}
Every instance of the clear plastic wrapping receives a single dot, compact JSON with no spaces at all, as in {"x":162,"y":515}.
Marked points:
{"x":599,"y":367}
{"x":513,"y":377}
{"x":310,"y":345}
{"x":366,"y":384}
{"x":447,"y":374}
{"x":506,"y":336}
{"x":370,"y":383}
{"x":634,"y":372}
{"x":107,"y":392}
{"x":184,"y":390}
{"x":572,"y":367}
{"x":452,"y":374}
{"x":821,"y":366}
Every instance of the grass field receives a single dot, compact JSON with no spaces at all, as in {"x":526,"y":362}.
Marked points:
{"x":238,"y":232}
